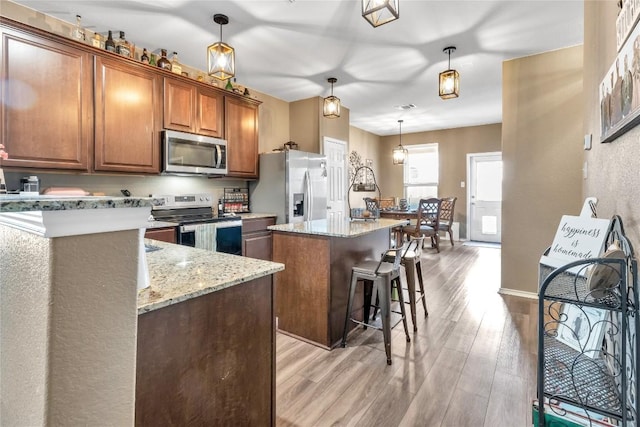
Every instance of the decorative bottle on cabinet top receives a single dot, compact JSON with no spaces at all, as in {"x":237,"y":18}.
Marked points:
{"x":110,"y":45}
{"x":175,"y":65}
{"x":123,"y":47}
{"x":163,"y":62}
{"x":78,"y":32}
{"x":145,"y":56}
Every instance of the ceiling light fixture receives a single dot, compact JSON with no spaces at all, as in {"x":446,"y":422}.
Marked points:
{"x":221,"y":61}
{"x":450,"y":79}
{"x":400,"y":153}
{"x":331,"y":107}
{"x":378,"y":12}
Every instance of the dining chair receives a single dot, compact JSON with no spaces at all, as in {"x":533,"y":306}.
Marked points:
{"x":372,"y":206}
{"x":427,"y":223}
{"x":445,"y":223}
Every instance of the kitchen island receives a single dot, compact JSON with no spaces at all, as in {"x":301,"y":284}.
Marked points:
{"x":312,"y":292}
{"x":206,"y":339}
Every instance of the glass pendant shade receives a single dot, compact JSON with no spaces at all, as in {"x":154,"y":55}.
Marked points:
{"x":449,"y":84}
{"x":378,"y":12}
{"x":331,"y":107}
{"x":400,"y":153}
{"x":221,"y":58}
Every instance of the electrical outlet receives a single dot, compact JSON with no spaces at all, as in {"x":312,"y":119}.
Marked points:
{"x":587,"y":142}
{"x":462,"y":184}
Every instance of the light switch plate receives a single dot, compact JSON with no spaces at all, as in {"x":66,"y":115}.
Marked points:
{"x":462,"y":184}
{"x":587,"y":142}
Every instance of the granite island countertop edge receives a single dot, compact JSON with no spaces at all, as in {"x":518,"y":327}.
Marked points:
{"x":179,"y":273}
{"x":338,"y":228}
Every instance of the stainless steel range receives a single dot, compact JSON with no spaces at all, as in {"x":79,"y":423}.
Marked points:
{"x":197,"y":225}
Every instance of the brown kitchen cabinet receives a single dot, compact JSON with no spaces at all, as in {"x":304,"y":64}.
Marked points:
{"x":128,"y":116}
{"x":47,"y":101}
{"x":241,"y":132}
{"x":256,"y":239}
{"x":189,"y":107}
{"x":209,"y":360}
{"x":164,"y":234}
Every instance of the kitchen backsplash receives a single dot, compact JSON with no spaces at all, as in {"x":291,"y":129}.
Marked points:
{"x":140,"y":186}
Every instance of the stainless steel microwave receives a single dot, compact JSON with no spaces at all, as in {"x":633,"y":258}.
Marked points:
{"x":187,"y":153}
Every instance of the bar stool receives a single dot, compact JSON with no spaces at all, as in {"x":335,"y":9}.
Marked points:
{"x":384,"y":276}
{"x":411,"y":260}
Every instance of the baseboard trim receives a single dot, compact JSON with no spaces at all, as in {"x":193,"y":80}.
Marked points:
{"x":517,"y":293}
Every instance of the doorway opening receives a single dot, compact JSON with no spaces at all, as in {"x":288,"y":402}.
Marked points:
{"x":484,"y":197}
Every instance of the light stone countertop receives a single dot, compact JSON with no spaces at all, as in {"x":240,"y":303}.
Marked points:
{"x":160,"y":224}
{"x":16,"y":203}
{"x":178,"y":273}
{"x":256,"y":215}
{"x":338,"y":228}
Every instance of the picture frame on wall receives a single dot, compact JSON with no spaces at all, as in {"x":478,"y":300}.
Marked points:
{"x":619,"y":91}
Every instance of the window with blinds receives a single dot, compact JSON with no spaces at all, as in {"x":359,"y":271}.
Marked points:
{"x":421,"y":173}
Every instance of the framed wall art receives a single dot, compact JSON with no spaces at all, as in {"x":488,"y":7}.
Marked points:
{"x":620,"y":90}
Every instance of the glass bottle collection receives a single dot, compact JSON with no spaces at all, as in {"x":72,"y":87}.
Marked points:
{"x":121,"y":46}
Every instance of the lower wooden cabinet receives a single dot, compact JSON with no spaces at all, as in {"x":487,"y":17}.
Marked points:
{"x":209,"y":360}
{"x":256,"y":239}
{"x":164,"y":234}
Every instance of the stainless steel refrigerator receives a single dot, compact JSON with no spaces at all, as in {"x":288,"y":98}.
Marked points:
{"x":293,"y":185}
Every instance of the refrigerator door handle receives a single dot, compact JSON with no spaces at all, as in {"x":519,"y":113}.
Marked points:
{"x":308,"y":196}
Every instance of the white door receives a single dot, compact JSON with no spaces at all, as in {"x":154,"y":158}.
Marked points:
{"x":484,"y":175}
{"x":336,"y":152}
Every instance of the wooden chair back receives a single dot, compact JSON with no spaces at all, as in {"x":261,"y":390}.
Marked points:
{"x":447,"y":207}
{"x":429,"y":212}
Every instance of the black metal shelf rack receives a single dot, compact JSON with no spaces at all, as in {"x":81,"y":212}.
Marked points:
{"x":600,"y":378}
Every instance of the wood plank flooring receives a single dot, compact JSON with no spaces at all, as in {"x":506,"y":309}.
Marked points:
{"x":471,"y":363}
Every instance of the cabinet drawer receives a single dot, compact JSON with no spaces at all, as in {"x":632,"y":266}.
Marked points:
{"x":257,"y":224}
{"x":167,"y":234}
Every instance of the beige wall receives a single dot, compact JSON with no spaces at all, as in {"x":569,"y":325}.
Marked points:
{"x":68,"y":318}
{"x":273,"y":122}
{"x":367,"y":145}
{"x":308,"y":127}
{"x":542,"y":139}
{"x":612,"y":168}
{"x":453,"y":147}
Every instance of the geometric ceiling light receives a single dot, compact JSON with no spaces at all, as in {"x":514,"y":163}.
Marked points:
{"x":400,"y":153}
{"x":449,"y":86}
{"x":331,"y":108}
{"x":378,"y":12}
{"x":221,"y":58}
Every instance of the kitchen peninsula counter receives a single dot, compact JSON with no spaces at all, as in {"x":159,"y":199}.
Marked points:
{"x":313,"y":289}
{"x":206,"y":339}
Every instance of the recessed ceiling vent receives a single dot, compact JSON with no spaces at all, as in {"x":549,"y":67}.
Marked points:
{"x":404,"y":107}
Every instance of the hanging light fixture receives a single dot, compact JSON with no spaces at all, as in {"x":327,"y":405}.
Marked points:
{"x":378,"y":12}
{"x":400,"y":153}
{"x":450,"y":79}
{"x":331,"y":108}
{"x":221,"y":62}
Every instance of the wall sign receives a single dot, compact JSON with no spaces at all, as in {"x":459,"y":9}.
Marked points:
{"x":626,"y":21}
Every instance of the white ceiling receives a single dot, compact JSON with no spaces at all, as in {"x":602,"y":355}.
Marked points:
{"x":288,"y":49}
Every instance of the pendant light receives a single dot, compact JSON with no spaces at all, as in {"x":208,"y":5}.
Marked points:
{"x":400,"y":153}
{"x":378,"y":12}
{"x":331,"y":108}
{"x":221,"y":62}
{"x":450,"y":79}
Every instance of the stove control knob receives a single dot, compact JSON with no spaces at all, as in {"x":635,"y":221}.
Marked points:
{"x":202,"y":199}
{"x":208,"y":199}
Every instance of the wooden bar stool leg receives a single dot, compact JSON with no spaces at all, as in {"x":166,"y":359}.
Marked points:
{"x":352,"y":291}
{"x":410,"y":272}
{"x":421,"y":284}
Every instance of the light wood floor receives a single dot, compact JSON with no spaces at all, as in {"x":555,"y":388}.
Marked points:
{"x":471,"y":363}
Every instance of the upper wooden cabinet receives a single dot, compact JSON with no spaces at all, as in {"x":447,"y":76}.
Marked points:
{"x":192,"y":108}
{"x":128,"y":121}
{"x":47,"y":102}
{"x":241,"y":131}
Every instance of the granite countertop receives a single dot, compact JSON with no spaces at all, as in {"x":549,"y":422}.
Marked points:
{"x":256,"y":215}
{"x":178,"y":273}
{"x":338,"y":228}
{"x":16,"y":203}
{"x":160,"y":224}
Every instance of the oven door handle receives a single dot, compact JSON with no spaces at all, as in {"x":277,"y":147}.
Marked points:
{"x":188,"y":228}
